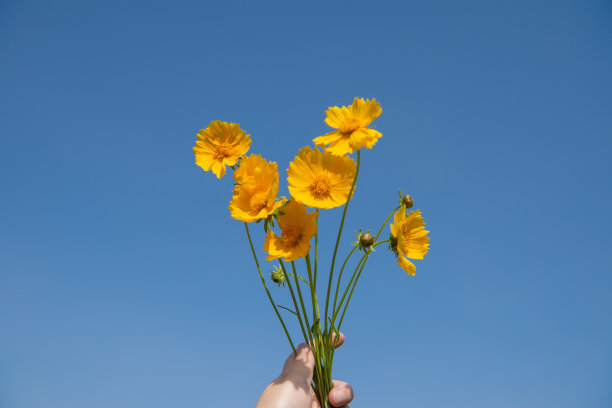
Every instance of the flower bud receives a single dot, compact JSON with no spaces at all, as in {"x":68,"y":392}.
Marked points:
{"x":278,"y":276}
{"x":407,"y":201}
{"x":366,"y":240}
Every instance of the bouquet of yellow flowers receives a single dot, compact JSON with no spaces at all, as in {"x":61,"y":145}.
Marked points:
{"x":319,"y":178}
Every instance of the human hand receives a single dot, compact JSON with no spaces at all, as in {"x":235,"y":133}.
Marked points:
{"x":292,"y":389}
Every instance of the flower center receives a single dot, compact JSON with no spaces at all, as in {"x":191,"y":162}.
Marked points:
{"x":320,"y":187}
{"x":349,"y":126}
{"x":259,"y":200}
{"x":291,"y":236}
{"x":222,"y":151}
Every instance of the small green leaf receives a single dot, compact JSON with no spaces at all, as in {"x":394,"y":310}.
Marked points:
{"x":287,"y":309}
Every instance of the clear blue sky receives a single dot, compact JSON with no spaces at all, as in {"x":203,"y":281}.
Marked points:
{"x":125,"y":283}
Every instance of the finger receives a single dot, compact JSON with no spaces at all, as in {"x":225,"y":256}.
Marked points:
{"x":341,"y":394}
{"x":301,"y":365}
{"x":336,"y":343}
{"x":340,"y":341}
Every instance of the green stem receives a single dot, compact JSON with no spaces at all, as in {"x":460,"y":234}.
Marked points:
{"x":352,"y":290}
{"x":364,"y":259}
{"x":299,"y":291}
{"x":385,"y":223}
{"x":336,"y":311}
{"x":302,"y":279}
{"x":331,"y":272}
{"x":348,"y":286}
{"x":297,"y":309}
{"x":332,"y":330}
{"x":263,"y":281}
{"x":317,"y":370}
{"x":314,"y":290}
{"x":319,"y":349}
{"x":380,"y":242}
{"x":340,"y":277}
{"x":316,"y":256}
{"x":313,"y":295}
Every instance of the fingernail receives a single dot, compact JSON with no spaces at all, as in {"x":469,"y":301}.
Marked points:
{"x":340,"y":395}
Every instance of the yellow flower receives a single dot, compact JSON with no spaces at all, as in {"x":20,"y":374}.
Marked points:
{"x":255,"y":193}
{"x":320,"y":180}
{"x":297,"y":229}
{"x":352,"y":123}
{"x":409,"y":238}
{"x":220,"y":144}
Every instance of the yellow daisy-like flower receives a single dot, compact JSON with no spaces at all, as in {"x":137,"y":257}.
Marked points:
{"x":352,"y":123}
{"x":409,"y":238}
{"x":255,"y":193}
{"x":220,"y":144}
{"x":320,"y":180}
{"x":297,"y":229}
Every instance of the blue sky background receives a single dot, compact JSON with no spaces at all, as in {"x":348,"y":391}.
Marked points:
{"x":125,"y":283}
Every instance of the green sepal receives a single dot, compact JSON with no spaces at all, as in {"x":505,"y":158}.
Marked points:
{"x":393,"y":243}
{"x":277,"y":276}
{"x":359,"y":244}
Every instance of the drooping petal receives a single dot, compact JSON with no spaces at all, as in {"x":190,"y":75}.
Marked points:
{"x":406,"y":265}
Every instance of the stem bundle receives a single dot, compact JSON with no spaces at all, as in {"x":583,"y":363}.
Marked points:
{"x":322,"y":334}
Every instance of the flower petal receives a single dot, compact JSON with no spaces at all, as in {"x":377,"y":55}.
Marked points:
{"x":406,"y":265}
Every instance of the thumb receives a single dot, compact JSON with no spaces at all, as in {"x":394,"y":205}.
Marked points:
{"x":299,"y":367}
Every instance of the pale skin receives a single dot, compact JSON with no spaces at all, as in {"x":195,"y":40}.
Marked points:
{"x":292,"y":389}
